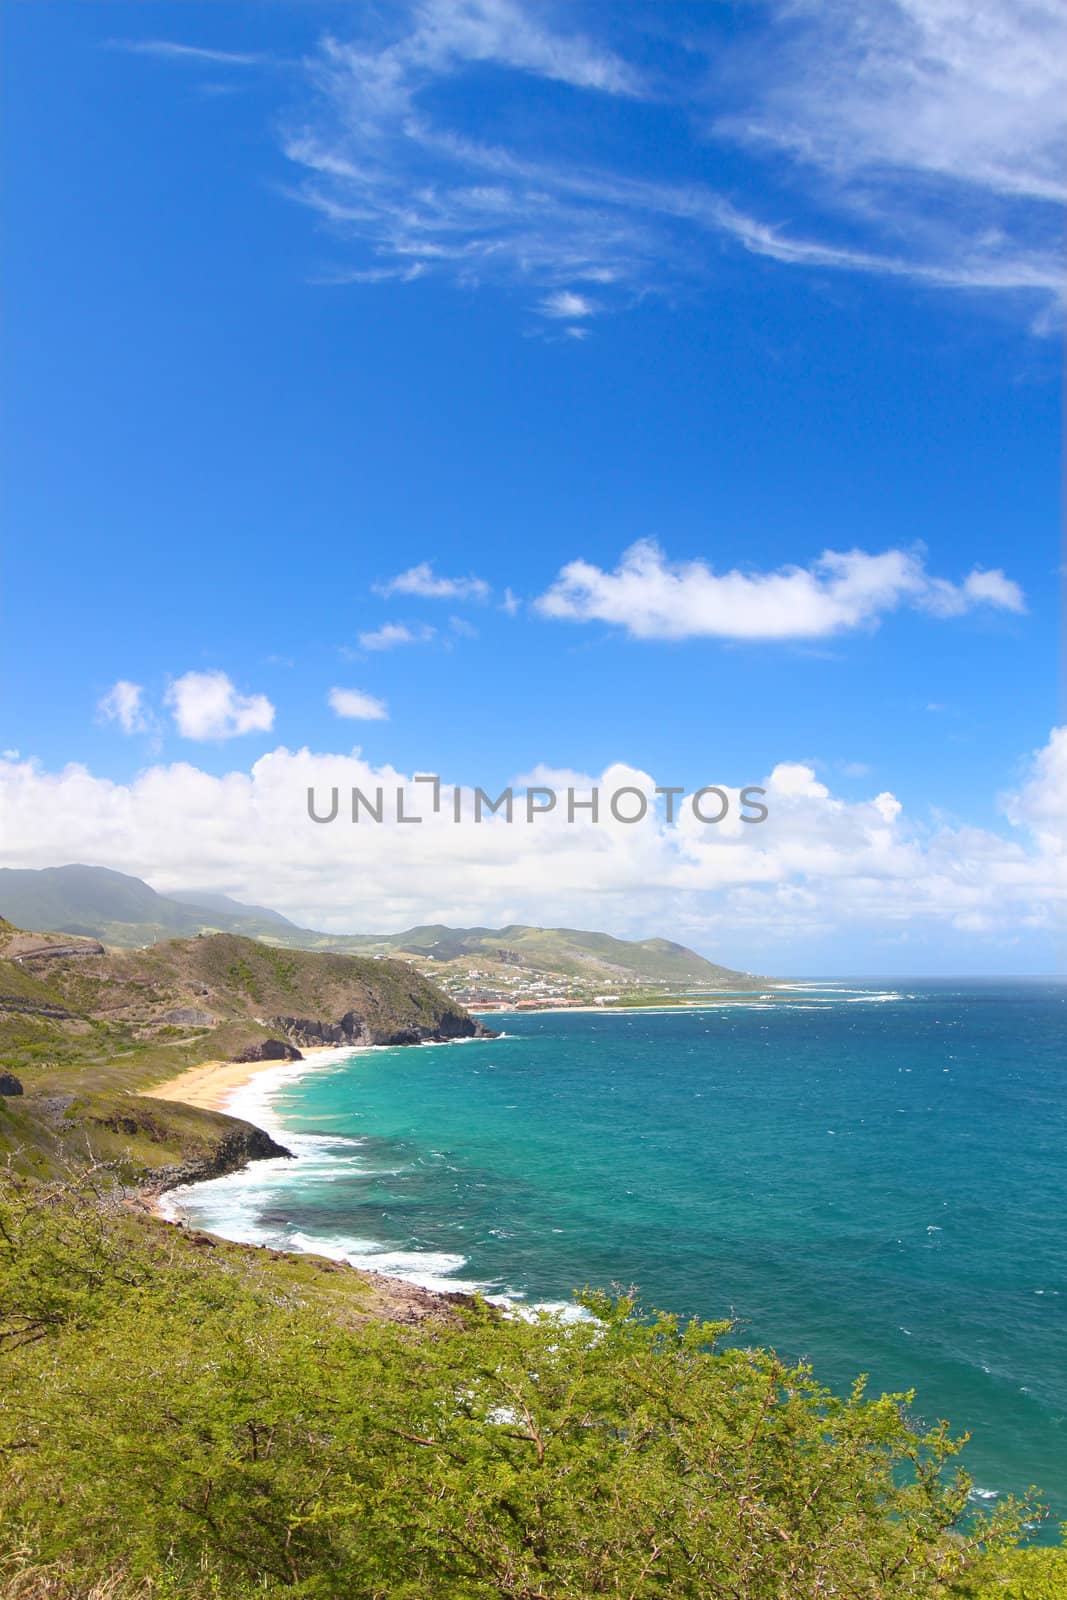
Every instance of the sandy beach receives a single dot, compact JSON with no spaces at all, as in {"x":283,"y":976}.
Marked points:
{"x":211,"y":1084}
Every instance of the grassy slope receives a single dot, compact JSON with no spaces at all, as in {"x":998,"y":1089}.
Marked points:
{"x":571,"y":952}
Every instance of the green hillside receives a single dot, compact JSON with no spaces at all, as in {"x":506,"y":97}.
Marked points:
{"x":571,"y":952}
{"x":123,"y":911}
{"x":83,"y":1029}
{"x":99,"y":903}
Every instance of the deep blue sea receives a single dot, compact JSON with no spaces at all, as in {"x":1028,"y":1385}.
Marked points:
{"x":872,"y":1177}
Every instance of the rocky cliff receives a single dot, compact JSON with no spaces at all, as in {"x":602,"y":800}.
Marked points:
{"x":355,"y":1029}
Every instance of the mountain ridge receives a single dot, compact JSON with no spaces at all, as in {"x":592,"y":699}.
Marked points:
{"x":125,"y":912}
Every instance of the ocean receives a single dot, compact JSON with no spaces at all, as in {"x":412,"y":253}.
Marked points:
{"x":872,"y":1177}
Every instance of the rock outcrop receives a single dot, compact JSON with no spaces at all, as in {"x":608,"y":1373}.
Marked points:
{"x":189,"y":1017}
{"x":9,"y":1084}
{"x":355,"y":1029}
{"x":242,"y":1144}
{"x":29,"y":948}
{"x":270,"y":1050}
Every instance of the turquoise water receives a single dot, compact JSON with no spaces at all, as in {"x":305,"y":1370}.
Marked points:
{"x":873,"y":1179}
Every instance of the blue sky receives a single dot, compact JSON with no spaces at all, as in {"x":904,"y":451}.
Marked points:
{"x":306,"y":298}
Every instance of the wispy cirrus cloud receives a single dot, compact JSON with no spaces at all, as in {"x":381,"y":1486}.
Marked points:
{"x":885,"y":90}
{"x":170,"y":50}
{"x":568,"y":305}
{"x":920,"y":141}
{"x":653,"y":598}
{"x":850,"y":112}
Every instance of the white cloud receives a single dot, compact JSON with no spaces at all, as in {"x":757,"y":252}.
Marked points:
{"x":168,"y":50}
{"x":206,"y":705}
{"x":653,"y":598}
{"x":937,"y":123}
{"x":511,"y":604}
{"x":124,"y":703}
{"x":921,"y":139}
{"x":568,"y":305}
{"x":1039,"y":806}
{"x":392,"y":634}
{"x":512,"y":35}
{"x":995,"y":588}
{"x":819,"y":865}
{"x":989,"y":262}
{"x":975,"y":95}
{"x":422,"y":580}
{"x":354,"y":703}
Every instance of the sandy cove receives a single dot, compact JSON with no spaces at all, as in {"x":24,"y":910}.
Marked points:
{"x":211,"y":1085}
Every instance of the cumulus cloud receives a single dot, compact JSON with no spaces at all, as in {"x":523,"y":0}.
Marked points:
{"x":654,"y":598}
{"x":393,"y":634}
{"x":423,"y":581}
{"x":124,"y":703}
{"x":206,"y":705}
{"x":820,"y":864}
{"x":357,"y":705}
{"x":1039,"y":806}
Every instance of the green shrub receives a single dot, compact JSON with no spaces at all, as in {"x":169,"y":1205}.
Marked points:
{"x":180,"y":1423}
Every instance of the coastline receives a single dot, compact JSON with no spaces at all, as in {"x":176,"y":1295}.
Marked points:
{"x":762,"y":997}
{"x":245,"y":1090}
{"x":211,"y":1085}
{"x":407,"y":1289}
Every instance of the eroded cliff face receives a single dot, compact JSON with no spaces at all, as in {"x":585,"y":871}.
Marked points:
{"x":237,"y":1147}
{"x":355,"y":1029}
{"x":269,"y":1050}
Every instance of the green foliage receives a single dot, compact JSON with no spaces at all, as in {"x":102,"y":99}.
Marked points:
{"x":1018,"y":1575}
{"x":240,"y":974}
{"x":175,"y":1425}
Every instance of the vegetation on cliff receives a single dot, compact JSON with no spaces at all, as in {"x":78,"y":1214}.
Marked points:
{"x":186,"y":1419}
{"x":179,"y":1425}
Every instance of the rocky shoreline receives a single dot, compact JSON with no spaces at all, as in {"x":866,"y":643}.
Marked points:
{"x":211,"y":1085}
{"x":375,"y":1296}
